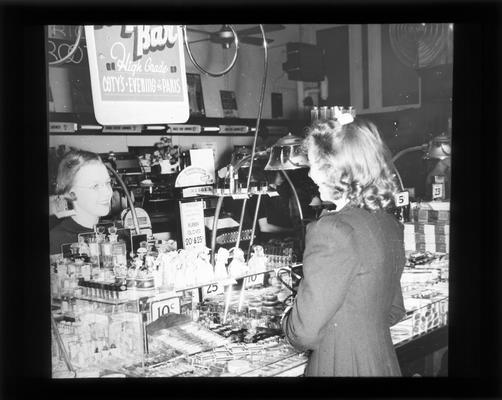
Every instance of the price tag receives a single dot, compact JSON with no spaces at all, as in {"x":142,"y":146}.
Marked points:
{"x":233,"y":129}
{"x":254,"y":280}
{"x":66,"y":127}
{"x":212,"y":290}
{"x":177,"y":128}
{"x":402,"y":199}
{"x":192,"y":224}
{"x":122,"y":128}
{"x":239,"y":196}
{"x":437,"y":190}
{"x":163,"y":307}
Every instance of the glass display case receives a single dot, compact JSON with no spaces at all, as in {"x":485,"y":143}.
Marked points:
{"x":95,"y":336}
{"x":214,"y":327}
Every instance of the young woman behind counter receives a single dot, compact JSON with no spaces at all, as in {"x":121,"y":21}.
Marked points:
{"x":84,"y":181}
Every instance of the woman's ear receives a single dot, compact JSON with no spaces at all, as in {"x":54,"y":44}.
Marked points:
{"x":71,"y":196}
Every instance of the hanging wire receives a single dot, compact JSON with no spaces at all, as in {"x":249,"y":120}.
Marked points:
{"x":422,"y":147}
{"x":72,"y":51}
{"x":255,"y":137}
{"x":201,"y":69}
{"x":129,"y":198}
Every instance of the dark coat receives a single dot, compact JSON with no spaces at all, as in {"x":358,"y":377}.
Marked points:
{"x":350,"y":294}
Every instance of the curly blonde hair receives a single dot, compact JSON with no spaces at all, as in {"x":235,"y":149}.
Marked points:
{"x":355,"y":161}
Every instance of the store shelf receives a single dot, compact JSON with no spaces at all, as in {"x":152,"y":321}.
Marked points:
{"x":272,"y":127}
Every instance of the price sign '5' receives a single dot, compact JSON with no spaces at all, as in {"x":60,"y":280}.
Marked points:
{"x":402,"y":199}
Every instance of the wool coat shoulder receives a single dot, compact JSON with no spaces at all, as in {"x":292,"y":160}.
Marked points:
{"x":350,"y":294}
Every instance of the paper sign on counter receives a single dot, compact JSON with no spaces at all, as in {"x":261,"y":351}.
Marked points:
{"x":163,"y":307}
{"x":192,"y":224}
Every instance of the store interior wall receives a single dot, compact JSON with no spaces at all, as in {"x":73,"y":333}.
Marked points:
{"x":244,"y":79}
{"x":399,"y":129}
{"x":246,"y":76}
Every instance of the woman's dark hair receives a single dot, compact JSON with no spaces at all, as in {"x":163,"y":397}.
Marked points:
{"x":68,"y":168}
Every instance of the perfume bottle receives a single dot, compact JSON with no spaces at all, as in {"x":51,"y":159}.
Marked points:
{"x":106,"y":254}
{"x":94,"y":251}
{"x":119,"y":249}
{"x":83,"y":247}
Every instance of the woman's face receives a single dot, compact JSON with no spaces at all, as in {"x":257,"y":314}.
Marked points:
{"x":319,"y":177}
{"x":92,"y":188}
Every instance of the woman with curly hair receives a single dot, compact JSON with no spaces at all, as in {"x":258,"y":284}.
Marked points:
{"x":354,"y":257}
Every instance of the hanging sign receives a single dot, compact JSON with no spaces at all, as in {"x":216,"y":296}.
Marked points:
{"x":192,"y":224}
{"x":137,"y":74}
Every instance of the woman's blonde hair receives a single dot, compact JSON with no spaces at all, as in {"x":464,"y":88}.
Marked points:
{"x":355,"y":161}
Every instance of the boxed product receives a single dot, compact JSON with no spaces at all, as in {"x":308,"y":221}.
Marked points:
{"x":433,"y":211}
{"x":432,"y":237}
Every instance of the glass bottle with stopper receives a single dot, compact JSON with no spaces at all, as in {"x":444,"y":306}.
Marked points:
{"x":119,"y":250}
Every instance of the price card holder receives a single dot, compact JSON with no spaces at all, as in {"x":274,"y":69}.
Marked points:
{"x":402,"y":199}
{"x":158,"y":308}
{"x":239,"y":196}
{"x":212,"y":290}
{"x":254,"y":280}
{"x":437,"y":191}
{"x":216,"y":288}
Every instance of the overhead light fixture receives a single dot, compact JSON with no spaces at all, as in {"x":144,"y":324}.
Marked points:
{"x":287,"y":154}
{"x":439,"y":148}
{"x":245,"y":162}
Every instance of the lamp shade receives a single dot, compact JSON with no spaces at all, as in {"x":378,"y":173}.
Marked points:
{"x":439,"y":148}
{"x":287,"y":154}
{"x":245,"y":162}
